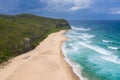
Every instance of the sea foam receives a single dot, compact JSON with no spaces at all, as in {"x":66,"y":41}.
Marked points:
{"x":80,"y":28}
{"x":106,"y":41}
{"x":96,"y":48}
{"x":85,"y":36}
{"x":77,"y":69}
{"x":112,"y":58}
{"x":111,"y":47}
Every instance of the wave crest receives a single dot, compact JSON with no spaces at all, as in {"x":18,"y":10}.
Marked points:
{"x":97,"y":49}
{"x":112,"y":58}
{"x":81,"y":28}
{"x":106,"y":41}
{"x":111,"y":47}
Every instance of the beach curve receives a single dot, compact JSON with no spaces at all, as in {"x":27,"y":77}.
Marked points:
{"x":45,"y":62}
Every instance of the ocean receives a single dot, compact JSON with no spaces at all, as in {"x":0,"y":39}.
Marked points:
{"x":93,"y":49}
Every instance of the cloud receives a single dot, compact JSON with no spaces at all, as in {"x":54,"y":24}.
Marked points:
{"x":115,"y":11}
{"x":67,"y":5}
{"x":75,"y":8}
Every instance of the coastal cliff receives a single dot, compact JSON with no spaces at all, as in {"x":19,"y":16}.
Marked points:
{"x":22,"y":33}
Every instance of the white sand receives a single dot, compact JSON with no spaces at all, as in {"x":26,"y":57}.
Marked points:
{"x":45,"y":62}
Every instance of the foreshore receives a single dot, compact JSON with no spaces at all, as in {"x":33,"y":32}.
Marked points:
{"x":45,"y":62}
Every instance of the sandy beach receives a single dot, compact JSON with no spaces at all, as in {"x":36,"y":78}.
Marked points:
{"x":45,"y":62}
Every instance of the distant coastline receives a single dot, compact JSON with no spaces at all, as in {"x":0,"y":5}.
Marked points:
{"x":23,"y":32}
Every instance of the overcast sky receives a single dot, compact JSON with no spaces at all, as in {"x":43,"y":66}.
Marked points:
{"x":68,"y":9}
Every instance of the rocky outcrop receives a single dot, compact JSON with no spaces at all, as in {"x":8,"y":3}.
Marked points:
{"x":26,"y":44}
{"x":63,"y":25}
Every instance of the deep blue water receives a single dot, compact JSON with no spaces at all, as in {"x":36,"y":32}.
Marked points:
{"x":93,"y":49}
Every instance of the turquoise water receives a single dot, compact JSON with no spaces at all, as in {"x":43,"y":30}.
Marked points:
{"x":93,"y":49}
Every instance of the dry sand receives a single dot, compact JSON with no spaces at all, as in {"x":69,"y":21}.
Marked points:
{"x":45,"y":62}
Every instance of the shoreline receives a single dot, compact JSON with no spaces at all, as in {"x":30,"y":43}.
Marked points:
{"x":45,"y":62}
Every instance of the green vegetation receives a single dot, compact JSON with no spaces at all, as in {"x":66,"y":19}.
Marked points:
{"x":21,"y":33}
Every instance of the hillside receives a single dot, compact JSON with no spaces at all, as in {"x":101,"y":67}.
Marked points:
{"x":23,"y":32}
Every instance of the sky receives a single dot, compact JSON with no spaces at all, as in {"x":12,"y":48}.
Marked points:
{"x":67,"y":9}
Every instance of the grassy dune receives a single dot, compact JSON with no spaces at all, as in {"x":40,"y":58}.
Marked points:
{"x":23,"y":32}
